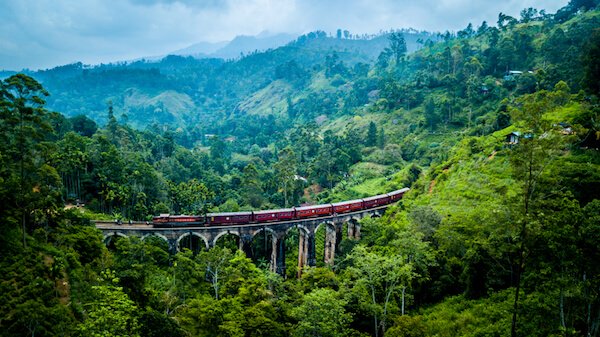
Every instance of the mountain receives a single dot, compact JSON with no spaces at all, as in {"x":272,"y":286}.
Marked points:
{"x":214,"y":85}
{"x":240,"y":45}
{"x":248,"y":44}
{"x":200,"y":49}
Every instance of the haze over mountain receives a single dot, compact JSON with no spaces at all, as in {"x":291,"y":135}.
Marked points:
{"x":238,"y":46}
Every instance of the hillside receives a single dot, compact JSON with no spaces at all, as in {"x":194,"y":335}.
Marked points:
{"x":215,"y":85}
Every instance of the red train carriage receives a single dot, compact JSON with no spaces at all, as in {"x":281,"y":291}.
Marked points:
{"x":397,"y":195}
{"x":313,"y":211}
{"x":375,"y":201}
{"x":347,"y":206}
{"x":161,"y":219}
{"x":178,"y":220}
{"x":274,"y":215}
{"x":228,"y":218}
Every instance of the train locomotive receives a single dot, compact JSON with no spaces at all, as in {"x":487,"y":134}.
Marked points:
{"x":276,"y":215}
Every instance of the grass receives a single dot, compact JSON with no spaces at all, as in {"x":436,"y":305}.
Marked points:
{"x":371,"y":187}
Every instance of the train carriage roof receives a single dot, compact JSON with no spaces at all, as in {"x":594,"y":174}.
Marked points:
{"x":342,"y":203}
{"x":303,"y":208}
{"x":375,"y":197}
{"x":268,"y":211}
{"x":228,"y":214}
{"x":403,"y":190}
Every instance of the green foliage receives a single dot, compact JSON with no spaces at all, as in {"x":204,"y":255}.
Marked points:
{"x":111,"y":313}
{"x":458,"y":316}
{"x":321,"y":314}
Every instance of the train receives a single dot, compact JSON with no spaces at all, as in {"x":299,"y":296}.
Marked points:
{"x":276,"y":215}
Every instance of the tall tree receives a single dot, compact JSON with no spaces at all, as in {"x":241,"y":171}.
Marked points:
{"x":379,"y":277}
{"x":25,"y":126}
{"x":371,"y":135}
{"x":111,"y":313}
{"x":251,"y":186}
{"x":529,"y":161}
{"x":285,"y":172}
{"x":321,"y":314}
{"x":397,"y":46}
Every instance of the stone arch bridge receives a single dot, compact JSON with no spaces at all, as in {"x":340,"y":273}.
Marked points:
{"x":307,"y":229}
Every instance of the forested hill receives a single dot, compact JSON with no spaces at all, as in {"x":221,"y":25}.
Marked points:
{"x":183,"y":90}
{"x":495,"y":130}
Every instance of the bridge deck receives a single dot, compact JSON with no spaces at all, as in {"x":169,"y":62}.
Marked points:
{"x":142,"y":226}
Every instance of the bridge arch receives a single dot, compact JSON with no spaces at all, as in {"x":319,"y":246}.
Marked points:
{"x":299,"y":227}
{"x":356,"y":217}
{"x":158,"y":235}
{"x":266,"y":229}
{"x":206,"y":245}
{"x":229,"y":232}
{"x":327,"y":223}
{"x":109,"y":235}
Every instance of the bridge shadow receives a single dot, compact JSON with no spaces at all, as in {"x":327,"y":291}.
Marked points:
{"x":193,"y":242}
{"x":111,"y":241}
{"x":261,"y":248}
{"x":229,"y":240}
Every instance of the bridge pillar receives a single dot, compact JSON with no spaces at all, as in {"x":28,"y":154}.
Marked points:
{"x":173,"y":249}
{"x":278,"y":255}
{"x":339,"y":228}
{"x":351,"y":225}
{"x":245,"y":245}
{"x":353,"y":230}
{"x":330,"y":243}
{"x":311,"y":250}
{"x":357,"y":231}
{"x":302,"y":251}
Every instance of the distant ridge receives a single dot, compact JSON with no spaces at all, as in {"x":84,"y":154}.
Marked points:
{"x":242,"y":44}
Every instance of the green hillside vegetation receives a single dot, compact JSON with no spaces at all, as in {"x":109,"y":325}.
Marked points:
{"x":494,"y":238}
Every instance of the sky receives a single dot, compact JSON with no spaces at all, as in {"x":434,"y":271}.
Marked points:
{"x":41,"y":34}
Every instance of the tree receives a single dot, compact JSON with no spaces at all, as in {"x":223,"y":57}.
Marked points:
{"x":378,"y":278}
{"x":321,"y":314}
{"x":371,"y":135}
{"x":591,"y":63}
{"x":397,"y":46}
{"x":285,"y":171}
{"x":251,"y":186}
{"x":381,"y":139}
{"x":430,"y":115}
{"x":83,"y":125}
{"x":32,"y":182}
{"x":483,"y":28}
{"x":384,"y":58}
{"x":72,"y":162}
{"x":191,"y":197}
{"x":214,"y":263}
{"x":111,"y":313}
{"x":529,"y":162}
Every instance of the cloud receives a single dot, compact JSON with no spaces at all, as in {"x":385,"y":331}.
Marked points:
{"x":46,"y":33}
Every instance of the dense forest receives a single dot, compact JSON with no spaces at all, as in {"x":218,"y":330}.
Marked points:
{"x":495,"y":128}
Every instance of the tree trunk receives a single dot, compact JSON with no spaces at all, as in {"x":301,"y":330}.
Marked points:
{"x":403,"y":293}
{"x":562,"y":309}
{"x":375,"y":316}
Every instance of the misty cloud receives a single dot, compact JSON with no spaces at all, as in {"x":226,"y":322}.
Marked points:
{"x":45,"y":33}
